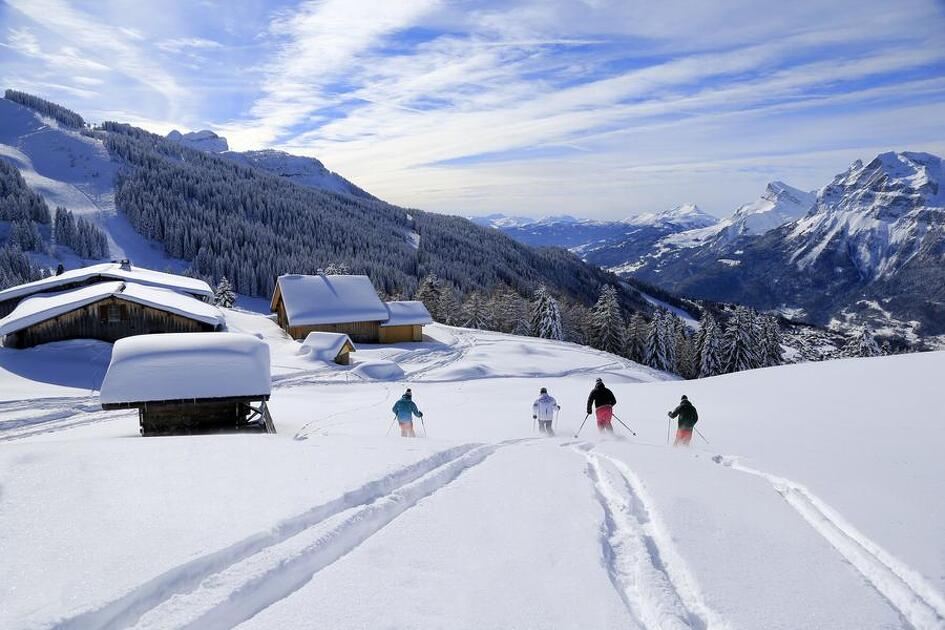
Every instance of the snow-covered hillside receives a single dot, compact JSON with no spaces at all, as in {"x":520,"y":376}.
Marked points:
{"x":816,"y":505}
{"x":74,"y":171}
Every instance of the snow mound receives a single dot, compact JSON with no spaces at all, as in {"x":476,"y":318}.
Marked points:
{"x":325,"y":346}
{"x":379,"y":370}
{"x":178,"y":366}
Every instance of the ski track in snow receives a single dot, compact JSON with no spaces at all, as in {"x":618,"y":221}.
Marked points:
{"x":54,"y":414}
{"x":638,"y":553}
{"x":905,"y":589}
{"x":229,"y":586}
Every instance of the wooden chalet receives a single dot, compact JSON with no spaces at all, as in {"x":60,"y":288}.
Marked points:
{"x":107,"y":311}
{"x":336,"y":304}
{"x":405,"y":322}
{"x":106,"y":272}
{"x":191,"y":383}
{"x":329,"y":347}
{"x":346,"y":305}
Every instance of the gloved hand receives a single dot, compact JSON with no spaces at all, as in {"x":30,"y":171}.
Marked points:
{"x":558,"y":407}
{"x":534,"y":417}
{"x":669,"y":414}
{"x":420,"y":413}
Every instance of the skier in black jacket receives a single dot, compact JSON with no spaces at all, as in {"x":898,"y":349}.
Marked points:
{"x":603,"y":400}
{"x":688,"y":417}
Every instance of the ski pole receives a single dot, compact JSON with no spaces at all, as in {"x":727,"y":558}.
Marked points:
{"x":669,"y":428}
{"x":700,"y":434}
{"x":582,"y":425}
{"x":391,"y":425}
{"x":424,"y":425}
{"x":632,"y":432}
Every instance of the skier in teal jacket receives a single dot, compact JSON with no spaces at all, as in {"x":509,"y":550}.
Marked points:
{"x":405,"y":409}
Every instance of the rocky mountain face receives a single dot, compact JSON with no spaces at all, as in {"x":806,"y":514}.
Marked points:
{"x":869,"y":249}
{"x":303,"y":170}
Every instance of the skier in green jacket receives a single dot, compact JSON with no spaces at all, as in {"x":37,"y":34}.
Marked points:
{"x":688,"y":417}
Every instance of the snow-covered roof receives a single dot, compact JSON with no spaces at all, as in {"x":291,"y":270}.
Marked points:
{"x":110,"y":271}
{"x":313,"y":300}
{"x":45,"y":306}
{"x":183,"y":366}
{"x":407,"y":314}
{"x":325,"y":346}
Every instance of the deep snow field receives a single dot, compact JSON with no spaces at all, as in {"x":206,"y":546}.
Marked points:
{"x":817,"y":504}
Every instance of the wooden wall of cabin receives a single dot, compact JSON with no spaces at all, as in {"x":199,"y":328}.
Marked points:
{"x":191,"y":417}
{"x":109,"y":320}
{"x":400,"y":334}
{"x":360,"y":332}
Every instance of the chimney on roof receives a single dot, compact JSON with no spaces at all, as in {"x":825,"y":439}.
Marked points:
{"x":125,"y":264}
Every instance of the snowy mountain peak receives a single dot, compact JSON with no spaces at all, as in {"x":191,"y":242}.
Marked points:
{"x":688,"y":216}
{"x":204,"y":140}
{"x":777,"y":205}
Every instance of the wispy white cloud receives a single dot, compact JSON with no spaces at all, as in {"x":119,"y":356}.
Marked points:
{"x":601,"y":107}
{"x":99,"y":45}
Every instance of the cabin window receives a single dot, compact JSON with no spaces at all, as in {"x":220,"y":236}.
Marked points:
{"x":114,"y":313}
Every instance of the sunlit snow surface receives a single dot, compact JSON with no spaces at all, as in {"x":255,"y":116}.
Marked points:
{"x":816,"y":505}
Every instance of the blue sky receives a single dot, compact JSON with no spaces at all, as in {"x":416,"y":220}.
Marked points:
{"x":589,"y":107}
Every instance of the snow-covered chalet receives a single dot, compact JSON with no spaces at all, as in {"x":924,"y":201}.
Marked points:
{"x":346,"y":304}
{"x":108,"y":301}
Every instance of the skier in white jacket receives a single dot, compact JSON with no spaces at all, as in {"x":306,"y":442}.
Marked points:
{"x":543,"y":410}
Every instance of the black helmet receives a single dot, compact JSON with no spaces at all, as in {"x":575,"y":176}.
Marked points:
{"x":599,"y":381}
{"x":544,"y":390}
{"x":408,"y":393}
{"x":684,"y":397}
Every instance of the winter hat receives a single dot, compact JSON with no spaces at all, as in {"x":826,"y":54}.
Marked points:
{"x":684,"y":397}
{"x":600,"y":381}
{"x":408,"y":393}
{"x":544,"y":390}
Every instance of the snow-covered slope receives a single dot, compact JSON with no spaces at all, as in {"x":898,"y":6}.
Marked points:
{"x":823,"y":511}
{"x":74,"y":171}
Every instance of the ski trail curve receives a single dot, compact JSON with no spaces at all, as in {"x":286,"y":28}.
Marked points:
{"x":644,"y":567}
{"x":904,"y":588}
{"x":244,"y":589}
{"x":50,"y":415}
{"x":126,"y":610}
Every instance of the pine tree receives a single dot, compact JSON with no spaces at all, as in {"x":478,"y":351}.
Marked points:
{"x":685,"y":359}
{"x":710,"y":347}
{"x":636,"y":337}
{"x":546,"y":316}
{"x":223,"y":295}
{"x":863,"y":344}
{"x":740,"y":345}
{"x":608,"y":327}
{"x":336,"y":269}
{"x":475,"y":313}
{"x":429,"y":293}
{"x":773,"y":352}
{"x":657,"y":352}
{"x":449,"y":307}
